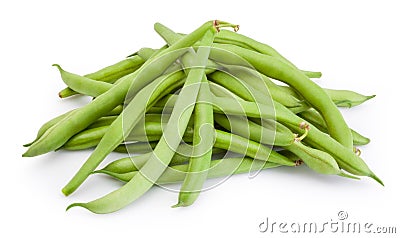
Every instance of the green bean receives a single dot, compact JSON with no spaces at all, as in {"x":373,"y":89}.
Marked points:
{"x":136,"y":147}
{"x":83,"y":85}
{"x":359,"y":139}
{"x":48,"y":125}
{"x":132,"y":163}
{"x":103,"y":121}
{"x":317,"y":160}
{"x":313,"y":93}
{"x":176,"y":173}
{"x":148,"y":131}
{"x":146,"y":53}
{"x":242,"y":41}
{"x":116,"y":111}
{"x":170,"y":140}
{"x":66,"y":92}
{"x":347,"y":98}
{"x":288,"y":154}
{"x":248,"y":129}
{"x":342,"y":98}
{"x":87,"y":86}
{"x":86,"y":115}
{"x":224,"y":79}
{"x":203,"y":135}
{"x":110,"y":74}
{"x":241,"y":145}
{"x":220,"y":91}
{"x":314,"y":118}
{"x":52,"y":122}
{"x":255,"y":80}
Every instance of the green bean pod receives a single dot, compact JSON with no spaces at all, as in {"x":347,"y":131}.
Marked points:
{"x":341,"y":98}
{"x":48,"y":125}
{"x":248,"y":129}
{"x":203,"y":137}
{"x":83,"y":85}
{"x":315,"y":118}
{"x":227,"y":141}
{"x":136,"y":147}
{"x":228,"y":81}
{"x":317,"y":160}
{"x":176,"y":173}
{"x":129,"y":164}
{"x":110,"y":74}
{"x":234,"y":38}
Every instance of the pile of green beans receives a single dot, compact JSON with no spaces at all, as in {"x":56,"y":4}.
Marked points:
{"x":208,"y":104}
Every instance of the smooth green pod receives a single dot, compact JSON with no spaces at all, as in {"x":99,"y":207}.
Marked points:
{"x":315,"y":118}
{"x":177,"y":173}
{"x":109,"y":74}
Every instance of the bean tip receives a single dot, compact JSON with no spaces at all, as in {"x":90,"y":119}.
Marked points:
{"x":27,"y":154}
{"x":74,"y":205}
{"x":374,"y":177}
{"x":179,"y":204}
{"x":27,"y":144}
{"x":66,"y":191}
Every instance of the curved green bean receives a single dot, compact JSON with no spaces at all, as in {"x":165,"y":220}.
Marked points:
{"x":255,"y":80}
{"x":203,"y":135}
{"x":110,"y":74}
{"x":313,"y":93}
{"x":315,"y":118}
{"x":342,"y":98}
{"x":237,"y":39}
{"x":48,"y":125}
{"x":83,"y":85}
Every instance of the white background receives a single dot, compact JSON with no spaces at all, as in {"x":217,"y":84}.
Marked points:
{"x":354,"y":43}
